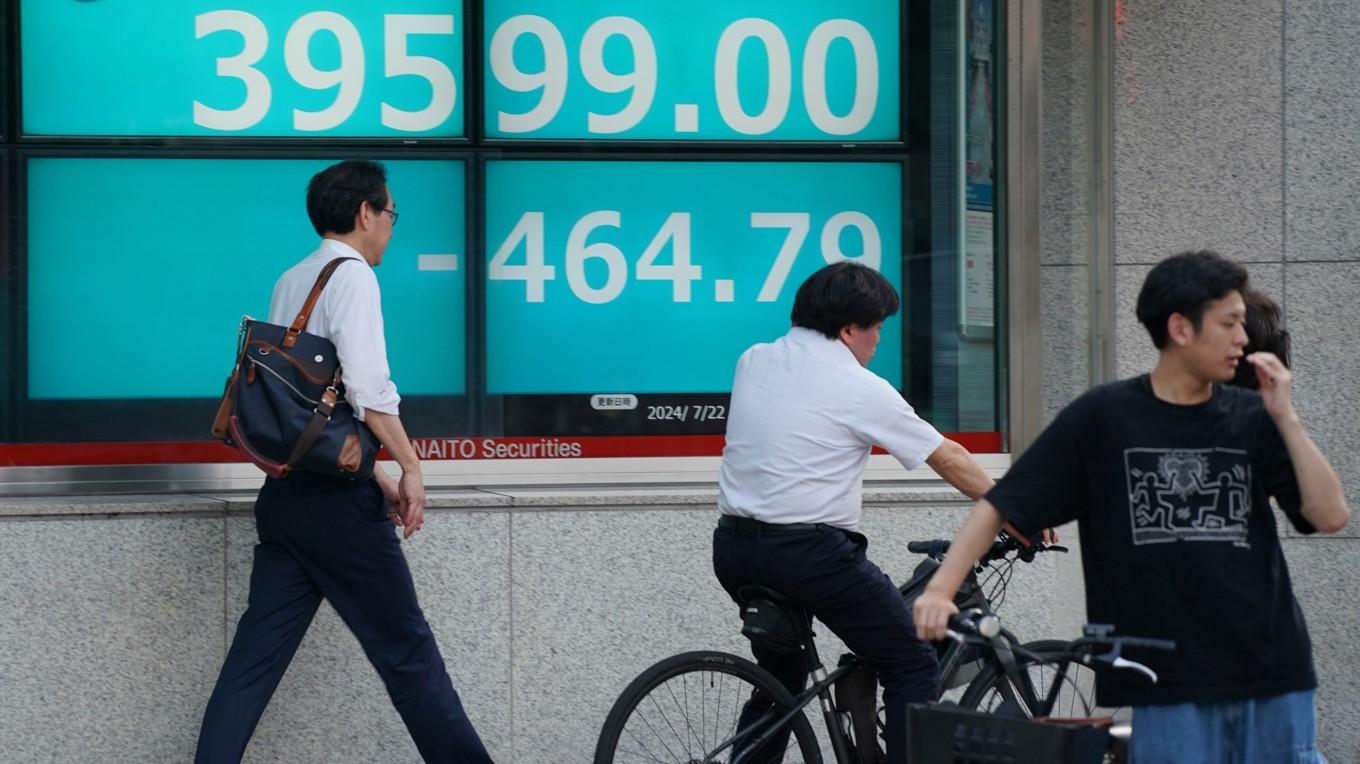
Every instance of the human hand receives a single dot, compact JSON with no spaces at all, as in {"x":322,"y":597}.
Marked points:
{"x":1276,"y":384}
{"x":1050,"y":536}
{"x":931,"y":613}
{"x":411,"y":502}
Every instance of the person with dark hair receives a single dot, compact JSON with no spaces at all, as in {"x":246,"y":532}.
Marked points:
{"x":1265,"y":331}
{"x":804,"y":416}
{"x":332,"y":538}
{"x":1169,"y":476}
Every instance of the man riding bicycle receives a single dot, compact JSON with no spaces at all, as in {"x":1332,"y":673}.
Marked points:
{"x":804,"y":416}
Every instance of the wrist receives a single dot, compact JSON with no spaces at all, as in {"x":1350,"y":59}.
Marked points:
{"x":1289,"y":418}
{"x":937,"y":588}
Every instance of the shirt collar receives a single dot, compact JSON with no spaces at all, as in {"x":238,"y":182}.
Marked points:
{"x":333,"y":248}
{"x":820,"y":343}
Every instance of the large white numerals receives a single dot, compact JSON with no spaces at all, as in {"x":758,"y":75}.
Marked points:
{"x":552,"y":80}
{"x":534,"y":272}
{"x":866,"y":77}
{"x":780,"y":76}
{"x":578,"y":252}
{"x":797,"y":224}
{"x":642,"y":80}
{"x":529,"y":230}
{"x":872,"y":254}
{"x":726,"y":76}
{"x":675,"y":231}
{"x":241,"y":66}
{"x":680,"y":272}
{"x":348,"y":76}
{"x":443,"y":89}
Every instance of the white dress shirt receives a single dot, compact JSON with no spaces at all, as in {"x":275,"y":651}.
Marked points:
{"x":803,"y":419}
{"x":349,"y":314}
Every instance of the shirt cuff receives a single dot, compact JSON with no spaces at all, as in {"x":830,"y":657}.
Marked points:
{"x":386,"y":402}
{"x":914,"y":461}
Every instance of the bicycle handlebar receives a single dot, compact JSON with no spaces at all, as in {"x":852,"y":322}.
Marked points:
{"x":974,"y":621}
{"x":1102,"y":634}
{"x":1165,"y":645}
{"x":981,"y":628}
{"x":1002,"y":546}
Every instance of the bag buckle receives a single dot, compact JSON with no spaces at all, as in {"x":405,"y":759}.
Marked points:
{"x":326,"y":406}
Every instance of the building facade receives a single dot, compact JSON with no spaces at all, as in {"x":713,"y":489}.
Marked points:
{"x":1014,"y":167}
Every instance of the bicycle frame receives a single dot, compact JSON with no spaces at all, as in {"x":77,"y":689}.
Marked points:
{"x":952,"y":658}
{"x":821,"y":688}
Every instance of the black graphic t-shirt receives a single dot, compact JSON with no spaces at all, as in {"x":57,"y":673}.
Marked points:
{"x":1178,"y":539}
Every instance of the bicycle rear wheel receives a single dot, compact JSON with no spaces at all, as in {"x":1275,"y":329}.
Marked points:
{"x":683,"y":708}
{"x":990,"y":692}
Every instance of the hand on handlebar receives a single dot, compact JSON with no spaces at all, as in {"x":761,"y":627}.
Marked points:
{"x":931,"y":613}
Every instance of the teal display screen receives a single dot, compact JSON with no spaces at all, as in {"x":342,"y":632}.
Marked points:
{"x":654,"y":276}
{"x":647,"y":69}
{"x":139,"y":271}
{"x":247,"y":68}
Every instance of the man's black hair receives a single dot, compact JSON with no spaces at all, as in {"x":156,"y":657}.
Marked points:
{"x":1186,"y":284}
{"x":842,"y":294}
{"x":1265,"y":331}
{"x":335,"y":193}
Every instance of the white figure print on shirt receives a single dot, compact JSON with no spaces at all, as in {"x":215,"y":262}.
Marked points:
{"x":1188,"y":494}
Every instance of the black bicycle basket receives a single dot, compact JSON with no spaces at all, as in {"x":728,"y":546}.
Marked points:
{"x":946,"y":734}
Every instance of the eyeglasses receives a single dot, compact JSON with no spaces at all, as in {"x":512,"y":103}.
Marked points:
{"x":393,"y":213}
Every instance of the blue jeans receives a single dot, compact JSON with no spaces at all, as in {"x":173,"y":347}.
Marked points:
{"x":1278,"y":729}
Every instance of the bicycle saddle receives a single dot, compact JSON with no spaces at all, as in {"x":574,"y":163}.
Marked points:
{"x":772,"y":620}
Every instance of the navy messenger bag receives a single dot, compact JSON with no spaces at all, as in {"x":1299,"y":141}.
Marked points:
{"x":284,"y":405}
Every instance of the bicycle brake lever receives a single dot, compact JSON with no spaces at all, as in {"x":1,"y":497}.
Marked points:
{"x":1124,"y":663}
{"x":1055,"y":548}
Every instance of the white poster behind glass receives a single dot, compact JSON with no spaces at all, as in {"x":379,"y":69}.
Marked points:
{"x":977,"y":303}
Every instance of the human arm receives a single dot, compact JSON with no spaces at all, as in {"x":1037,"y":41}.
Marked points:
{"x":952,"y":462}
{"x":1323,"y":502}
{"x":409,"y":506}
{"x":932,"y":609}
{"x":354,"y":304}
{"x":957,"y":466}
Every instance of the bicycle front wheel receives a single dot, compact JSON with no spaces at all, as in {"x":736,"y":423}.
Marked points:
{"x":684,"y":708}
{"x":991,"y":689}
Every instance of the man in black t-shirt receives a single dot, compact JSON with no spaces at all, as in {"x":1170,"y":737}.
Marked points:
{"x":1169,"y":476}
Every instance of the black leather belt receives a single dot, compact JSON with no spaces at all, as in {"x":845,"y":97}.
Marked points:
{"x":749,"y":525}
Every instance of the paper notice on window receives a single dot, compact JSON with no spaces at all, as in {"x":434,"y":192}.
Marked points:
{"x":979,"y":274}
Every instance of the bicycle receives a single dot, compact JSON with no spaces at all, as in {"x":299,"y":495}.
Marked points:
{"x":939,"y":733}
{"x":686,"y":708}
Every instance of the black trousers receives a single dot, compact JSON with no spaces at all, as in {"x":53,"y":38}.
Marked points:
{"x":326,"y":537}
{"x":826,"y":572}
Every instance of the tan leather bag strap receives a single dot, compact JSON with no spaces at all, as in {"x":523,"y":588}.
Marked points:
{"x":300,"y":323}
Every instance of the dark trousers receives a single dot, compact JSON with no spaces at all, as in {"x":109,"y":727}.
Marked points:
{"x":325,"y":537}
{"x":826,"y":572}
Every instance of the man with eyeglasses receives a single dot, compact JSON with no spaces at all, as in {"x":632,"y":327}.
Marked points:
{"x":329,"y":537}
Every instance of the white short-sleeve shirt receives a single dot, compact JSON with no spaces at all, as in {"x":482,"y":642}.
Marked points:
{"x":349,"y":314}
{"x":803,"y":420}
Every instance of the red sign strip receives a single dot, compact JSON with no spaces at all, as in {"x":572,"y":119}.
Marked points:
{"x":435,"y":449}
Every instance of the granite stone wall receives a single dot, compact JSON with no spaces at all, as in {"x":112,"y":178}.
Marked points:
{"x":545,"y":605}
